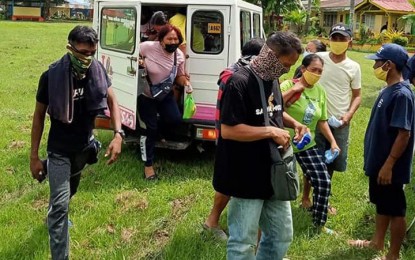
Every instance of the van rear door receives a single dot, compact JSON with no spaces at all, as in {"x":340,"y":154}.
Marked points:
{"x":118,"y":30}
{"x":208,"y":48}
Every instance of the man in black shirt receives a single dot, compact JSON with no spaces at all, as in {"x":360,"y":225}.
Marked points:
{"x":243,"y":162}
{"x":73,"y":91}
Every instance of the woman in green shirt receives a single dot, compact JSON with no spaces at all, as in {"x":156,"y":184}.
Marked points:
{"x":305,"y":101}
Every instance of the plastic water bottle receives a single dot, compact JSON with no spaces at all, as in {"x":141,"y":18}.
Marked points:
{"x":309,"y":113}
{"x":303,"y":142}
{"x":331,"y":156}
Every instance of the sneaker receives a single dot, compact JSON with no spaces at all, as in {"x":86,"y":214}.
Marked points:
{"x":216,"y":232}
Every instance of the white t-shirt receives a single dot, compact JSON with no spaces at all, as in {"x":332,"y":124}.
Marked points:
{"x":338,"y":79}
{"x":158,"y":62}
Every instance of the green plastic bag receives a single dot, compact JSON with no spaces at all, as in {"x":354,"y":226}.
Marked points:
{"x":189,"y":107}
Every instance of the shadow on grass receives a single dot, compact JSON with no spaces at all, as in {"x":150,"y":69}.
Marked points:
{"x":30,"y":248}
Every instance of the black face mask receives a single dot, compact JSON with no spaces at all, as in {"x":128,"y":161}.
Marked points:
{"x":171,"y":47}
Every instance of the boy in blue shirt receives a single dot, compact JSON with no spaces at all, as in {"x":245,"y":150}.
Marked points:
{"x":388,"y":149}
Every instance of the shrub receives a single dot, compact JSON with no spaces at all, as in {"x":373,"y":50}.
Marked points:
{"x":401,"y":40}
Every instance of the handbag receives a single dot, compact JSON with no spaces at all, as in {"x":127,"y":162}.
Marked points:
{"x":161,"y":90}
{"x":284,"y":177}
{"x":143,"y":85}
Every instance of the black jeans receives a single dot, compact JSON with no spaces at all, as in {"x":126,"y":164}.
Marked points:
{"x":148,"y":109}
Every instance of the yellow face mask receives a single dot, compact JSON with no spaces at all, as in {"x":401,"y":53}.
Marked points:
{"x":380,"y":73}
{"x":338,"y":47}
{"x":311,"y":78}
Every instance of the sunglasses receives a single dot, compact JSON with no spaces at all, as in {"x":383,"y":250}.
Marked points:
{"x":86,"y":53}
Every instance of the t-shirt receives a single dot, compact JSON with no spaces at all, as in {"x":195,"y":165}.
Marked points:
{"x":408,"y":71}
{"x":179,"y":20}
{"x":308,"y":109}
{"x":242,"y":169}
{"x":159,"y":63}
{"x":393,"y":110}
{"x":338,"y":79}
{"x":198,"y":42}
{"x":66,"y":139}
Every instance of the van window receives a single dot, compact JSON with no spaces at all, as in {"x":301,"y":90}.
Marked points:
{"x":207,"y":32}
{"x":257,"y":26}
{"x":245,"y":22}
{"x":118,"y":29}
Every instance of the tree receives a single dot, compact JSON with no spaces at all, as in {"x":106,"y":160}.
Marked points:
{"x":298,"y":18}
{"x":410,"y":17}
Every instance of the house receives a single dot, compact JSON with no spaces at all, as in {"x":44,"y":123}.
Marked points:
{"x":372,"y":13}
{"x":378,"y":15}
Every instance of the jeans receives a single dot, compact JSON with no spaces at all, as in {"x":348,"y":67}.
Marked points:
{"x":274,"y":219}
{"x":63,"y":185}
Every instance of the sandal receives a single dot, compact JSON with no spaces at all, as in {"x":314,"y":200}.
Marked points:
{"x":216,"y":232}
{"x":360,"y":243}
{"x":152,"y":177}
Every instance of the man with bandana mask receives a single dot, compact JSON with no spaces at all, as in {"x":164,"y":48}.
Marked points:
{"x":388,"y":149}
{"x":243,"y":162}
{"x":72,"y":91}
{"x":341,"y":79}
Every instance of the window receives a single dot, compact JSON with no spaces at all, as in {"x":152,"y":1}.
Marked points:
{"x":369,"y":21}
{"x":245,"y":22}
{"x":257,"y":26}
{"x":207,"y":32}
{"x":118,"y":29}
{"x":329,"y":19}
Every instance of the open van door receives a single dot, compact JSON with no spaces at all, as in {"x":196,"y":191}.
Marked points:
{"x":118,"y":51}
{"x":208,"y":48}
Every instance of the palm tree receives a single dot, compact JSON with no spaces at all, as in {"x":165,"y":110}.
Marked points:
{"x":410,"y":17}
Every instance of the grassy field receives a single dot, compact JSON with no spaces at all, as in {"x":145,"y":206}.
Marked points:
{"x":118,"y":215}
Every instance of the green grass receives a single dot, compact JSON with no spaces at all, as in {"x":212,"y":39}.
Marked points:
{"x":116,"y":214}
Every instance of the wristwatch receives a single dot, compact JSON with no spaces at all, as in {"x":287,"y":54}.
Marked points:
{"x":121,"y":132}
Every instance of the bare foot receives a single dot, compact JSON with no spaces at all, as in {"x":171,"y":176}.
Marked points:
{"x":364,"y":244}
{"x":149,"y":172}
{"x":332,"y":210}
{"x":306,"y":203}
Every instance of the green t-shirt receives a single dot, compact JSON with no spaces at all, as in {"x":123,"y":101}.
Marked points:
{"x":310,"y":108}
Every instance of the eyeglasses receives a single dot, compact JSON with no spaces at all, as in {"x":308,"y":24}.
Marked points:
{"x":85,"y":52}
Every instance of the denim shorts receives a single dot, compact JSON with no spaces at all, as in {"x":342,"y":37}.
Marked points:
{"x":342,"y":138}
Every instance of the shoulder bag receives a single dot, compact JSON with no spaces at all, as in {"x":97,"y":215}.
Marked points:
{"x":284,"y":176}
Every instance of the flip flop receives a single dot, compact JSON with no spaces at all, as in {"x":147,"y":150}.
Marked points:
{"x":360,"y":243}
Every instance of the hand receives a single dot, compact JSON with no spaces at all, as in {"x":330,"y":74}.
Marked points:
{"x":281,"y":137}
{"x":36,"y":167}
{"x":346,"y":118}
{"x":300,"y":130}
{"x":188,"y":89}
{"x":114,"y":149}
{"x":334,"y":147}
{"x":385,"y":174}
{"x":298,"y":87}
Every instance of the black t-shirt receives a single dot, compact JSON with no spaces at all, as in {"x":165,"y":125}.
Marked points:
{"x":242,"y":169}
{"x":67,"y":139}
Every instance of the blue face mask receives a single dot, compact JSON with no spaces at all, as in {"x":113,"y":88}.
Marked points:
{"x":305,"y":53}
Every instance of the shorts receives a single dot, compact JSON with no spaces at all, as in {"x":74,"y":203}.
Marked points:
{"x":389,"y":199}
{"x":342,"y":138}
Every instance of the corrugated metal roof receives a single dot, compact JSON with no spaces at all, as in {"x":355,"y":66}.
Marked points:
{"x":394,"y":5}
{"x":338,"y":3}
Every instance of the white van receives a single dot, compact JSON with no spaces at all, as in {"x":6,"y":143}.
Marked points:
{"x":226,"y":26}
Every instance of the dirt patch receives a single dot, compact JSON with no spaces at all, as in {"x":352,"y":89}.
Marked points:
{"x":111,"y":229}
{"x":180,"y":206}
{"x":128,"y":200}
{"x":16,"y":144}
{"x":40,"y":204}
{"x":127,"y":234}
{"x":10,"y":170}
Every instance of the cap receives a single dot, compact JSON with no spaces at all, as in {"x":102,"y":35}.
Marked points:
{"x":393,"y":52}
{"x":342,"y":29}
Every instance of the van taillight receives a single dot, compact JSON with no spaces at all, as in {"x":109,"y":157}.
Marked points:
{"x":209,"y":133}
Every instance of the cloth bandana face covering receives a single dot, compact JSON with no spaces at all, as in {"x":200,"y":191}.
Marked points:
{"x":311,"y":78}
{"x":80,"y":62}
{"x":267,"y":65}
{"x":338,"y":47}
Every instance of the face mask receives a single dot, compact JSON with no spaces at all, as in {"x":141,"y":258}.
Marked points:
{"x":80,"y":62}
{"x":305,"y":53}
{"x":338,"y":47}
{"x":171,"y":47}
{"x":267,"y":65}
{"x":380,"y":73}
{"x":311,"y":78}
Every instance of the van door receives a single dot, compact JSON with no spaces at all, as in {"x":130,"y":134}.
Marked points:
{"x":208,"y":48}
{"x":118,"y":30}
